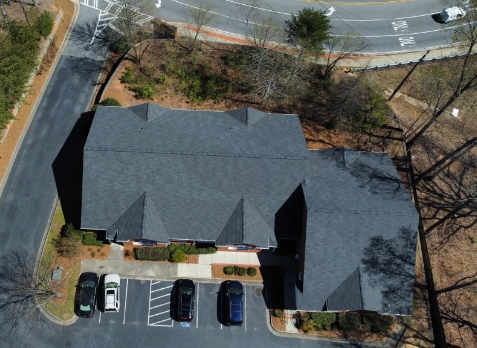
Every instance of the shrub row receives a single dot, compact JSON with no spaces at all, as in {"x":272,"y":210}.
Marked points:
{"x":345,"y":321}
{"x":191,"y":249}
{"x":151,"y":254}
{"x":90,"y":239}
{"x":240,"y":271}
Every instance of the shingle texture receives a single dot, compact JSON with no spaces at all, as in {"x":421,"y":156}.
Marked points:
{"x":352,"y":199}
{"x":156,"y":173}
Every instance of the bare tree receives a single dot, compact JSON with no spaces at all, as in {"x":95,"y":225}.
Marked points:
{"x":340,"y":47}
{"x":198,"y":18}
{"x":24,"y":290}
{"x":466,"y":74}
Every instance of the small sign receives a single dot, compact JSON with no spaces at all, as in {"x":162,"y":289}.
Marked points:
{"x":455,"y":112}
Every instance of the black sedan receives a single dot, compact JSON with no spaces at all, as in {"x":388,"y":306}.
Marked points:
{"x":85,"y":299}
{"x":185,"y":292}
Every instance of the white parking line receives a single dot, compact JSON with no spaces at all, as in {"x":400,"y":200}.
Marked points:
{"x":125,"y":301}
{"x":154,"y":315}
{"x":156,"y":298}
{"x":159,"y":305}
{"x":160,"y":321}
{"x":167,"y":287}
{"x":154,"y":283}
{"x":245,"y":306}
{"x":197,"y":308}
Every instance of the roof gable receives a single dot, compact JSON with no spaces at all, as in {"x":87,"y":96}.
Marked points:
{"x":247,"y":116}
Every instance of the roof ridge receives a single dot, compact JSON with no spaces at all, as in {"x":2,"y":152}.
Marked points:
{"x":368,"y":212}
{"x":189,"y":153}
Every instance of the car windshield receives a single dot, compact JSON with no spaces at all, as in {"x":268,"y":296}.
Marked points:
{"x":187,"y":291}
{"x":89,"y":285}
{"x":235,"y":292}
{"x":111,"y":285}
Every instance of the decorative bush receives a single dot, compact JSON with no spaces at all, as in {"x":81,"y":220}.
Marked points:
{"x":127,"y":253}
{"x":90,"y":239}
{"x":278,"y":313}
{"x":304,"y":316}
{"x":377,"y":323}
{"x":252,"y":271}
{"x":323,"y":321}
{"x":68,"y":242}
{"x":349,"y":321}
{"x":229,"y":270}
{"x":179,"y":256}
{"x":308,"y":325}
{"x":241,"y":271}
{"x":110,"y":102}
{"x":151,"y":254}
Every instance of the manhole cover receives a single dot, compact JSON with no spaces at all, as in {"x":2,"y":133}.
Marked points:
{"x":67,"y":344}
{"x":258,"y":292}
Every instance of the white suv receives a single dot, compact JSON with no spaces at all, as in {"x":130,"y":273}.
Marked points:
{"x":452,"y":13}
{"x":111,"y":292}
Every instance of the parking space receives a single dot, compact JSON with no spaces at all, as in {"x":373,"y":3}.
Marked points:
{"x":150,"y":303}
{"x":160,"y":304}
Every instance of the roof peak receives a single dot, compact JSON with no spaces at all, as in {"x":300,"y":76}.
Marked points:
{"x":247,"y":116}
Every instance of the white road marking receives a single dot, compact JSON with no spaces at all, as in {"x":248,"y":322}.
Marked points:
{"x":167,"y":287}
{"x":159,"y":305}
{"x":330,"y":11}
{"x":407,"y":41}
{"x":400,"y":26}
{"x":125,"y":301}
{"x":258,"y":8}
{"x":158,"y":314}
{"x":99,"y":316}
{"x":156,"y":298}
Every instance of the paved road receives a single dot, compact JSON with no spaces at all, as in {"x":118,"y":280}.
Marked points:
{"x":387,"y":26}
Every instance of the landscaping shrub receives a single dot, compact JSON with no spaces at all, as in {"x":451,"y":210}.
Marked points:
{"x":241,"y":271}
{"x":323,"y":321}
{"x":151,"y":254}
{"x":127,"y":253}
{"x":308,"y":325}
{"x":191,"y":249}
{"x":128,"y":76}
{"x":252,"y":271}
{"x":229,"y":270}
{"x":278,"y":313}
{"x":377,"y":323}
{"x":110,"y":102}
{"x":179,"y":256}
{"x":68,"y":242}
{"x":90,"y":239}
{"x":304,"y":316}
{"x":349,"y":321}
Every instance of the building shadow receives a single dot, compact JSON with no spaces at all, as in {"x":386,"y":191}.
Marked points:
{"x":68,"y":170}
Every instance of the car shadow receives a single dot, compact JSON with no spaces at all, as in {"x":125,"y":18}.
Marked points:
{"x":172,"y":302}
{"x":100,"y":295}
{"x":220,"y":308}
{"x":437,"y":18}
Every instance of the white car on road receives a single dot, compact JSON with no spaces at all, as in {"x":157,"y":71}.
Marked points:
{"x":452,"y":14}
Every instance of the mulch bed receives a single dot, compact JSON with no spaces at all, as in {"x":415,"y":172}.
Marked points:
{"x":218,"y":272}
{"x":129,"y":254}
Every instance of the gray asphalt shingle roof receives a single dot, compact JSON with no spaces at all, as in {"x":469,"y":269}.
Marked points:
{"x":351,"y":197}
{"x":156,"y":173}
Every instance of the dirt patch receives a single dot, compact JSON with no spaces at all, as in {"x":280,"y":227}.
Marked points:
{"x":279,"y":324}
{"x":218,"y":272}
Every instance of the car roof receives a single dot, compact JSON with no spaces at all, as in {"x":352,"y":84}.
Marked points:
{"x":112,"y":278}
{"x":455,"y":10}
{"x":186,"y":283}
{"x":233,"y":284}
{"x":88,"y":276}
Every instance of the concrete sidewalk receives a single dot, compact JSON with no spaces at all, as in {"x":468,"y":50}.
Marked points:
{"x":200,"y":271}
{"x":358,"y":61}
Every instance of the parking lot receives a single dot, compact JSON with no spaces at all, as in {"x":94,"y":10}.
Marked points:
{"x":150,"y":303}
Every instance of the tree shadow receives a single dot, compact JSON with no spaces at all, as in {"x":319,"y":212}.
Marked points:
{"x":390,"y":265}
